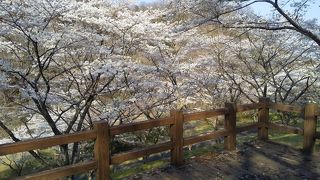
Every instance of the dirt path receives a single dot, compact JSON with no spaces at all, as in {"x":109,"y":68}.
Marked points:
{"x":255,"y":160}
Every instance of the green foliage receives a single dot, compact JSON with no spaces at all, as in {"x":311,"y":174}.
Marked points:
{"x":118,"y":146}
{"x":288,"y":118}
{"x":5,"y":172}
{"x":292,"y":140}
{"x":152,"y":136}
{"x":24,"y":163}
{"x":198,"y":151}
{"x":199,"y":127}
{"x":246,"y":117}
{"x":139,"y":168}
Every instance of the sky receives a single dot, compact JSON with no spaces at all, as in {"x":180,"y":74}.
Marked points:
{"x":146,"y":1}
{"x":265,"y":9}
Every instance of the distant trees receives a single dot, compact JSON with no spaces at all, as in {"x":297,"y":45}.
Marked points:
{"x":73,"y":63}
{"x":235,"y":14}
{"x":49,"y":65}
{"x":276,"y":65}
{"x":246,"y":51}
{"x":292,"y":19}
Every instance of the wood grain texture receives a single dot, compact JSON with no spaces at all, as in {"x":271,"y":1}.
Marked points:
{"x":263,"y":117}
{"x":176,"y":136}
{"x":247,"y":127}
{"x":46,"y":142}
{"x":204,"y":137}
{"x":60,"y":172}
{"x":136,"y":153}
{"x":102,"y":150}
{"x":309,"y":127}
{"x":204,"y":114}
{"x":247,"y":107}
{"x":286,"y":108}
{"x":230,"y":126}
{"x":131,"y":127}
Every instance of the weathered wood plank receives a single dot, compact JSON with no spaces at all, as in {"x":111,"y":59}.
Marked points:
{"x":263,"y":117}
{"x":133,"y":154}
{"x":46,"y":142}
{"x":204,"y":137}
{"x":247,"y":107}
{"x":247,"y":127}
{"x":286,"y":108}
{"x":284,"y":128}
{"x":62,"y":171}
{"x":204,"y":114}
{"x":176,"y":136}
{"x":262,"y":124}
{"x":102,"y":150}
{"x":230,"y":119}
{"x":309,"y":127}
{"x":131,"y":127}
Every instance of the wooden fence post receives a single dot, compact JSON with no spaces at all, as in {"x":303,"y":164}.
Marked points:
{"x":230,"y":126}
{"x":176,"y":134}
{"x":263,"y":118}
{"x":309,"y":127}
{"x":101,"y":150}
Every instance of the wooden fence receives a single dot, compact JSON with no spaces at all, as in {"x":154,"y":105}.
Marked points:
{"x":102,"y":134}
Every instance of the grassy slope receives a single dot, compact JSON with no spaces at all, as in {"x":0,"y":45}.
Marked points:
{"x":5,"y":172}
{"x":31,"y":166}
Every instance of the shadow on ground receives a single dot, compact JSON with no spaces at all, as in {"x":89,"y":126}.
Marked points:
{"x":254,"y":160}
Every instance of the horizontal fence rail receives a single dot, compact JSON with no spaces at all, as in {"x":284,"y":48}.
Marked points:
{"x":102,"y":135}
{"x":285,"y":128}
{"x":286,"y":108}
{"x":204,"y":114}
{"x":41,"y":143}
{"x":131,"y":127}
{"x":248,"y":107}
{"x":204,"y":137}
{"x":134,"y":154}
{"x":64,"y":171}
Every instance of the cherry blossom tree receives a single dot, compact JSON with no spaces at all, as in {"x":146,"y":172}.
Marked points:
{"x":74,"y":63}
{"x":236,"y":14}
{"x":270,"y":65}
{"x":237,"y":20}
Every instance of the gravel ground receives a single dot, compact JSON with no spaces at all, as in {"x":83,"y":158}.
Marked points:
{"x":254,"y":160}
